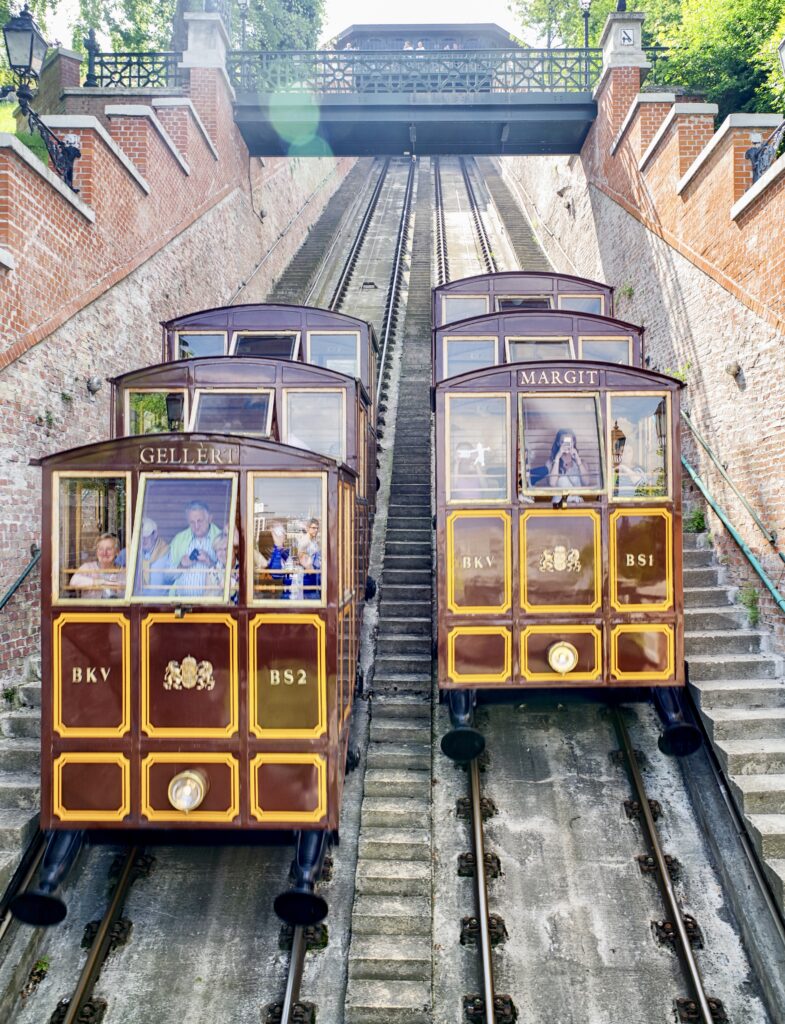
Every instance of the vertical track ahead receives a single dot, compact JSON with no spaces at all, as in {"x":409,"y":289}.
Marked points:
{"x":442,"y":261}
{"x":482,"y":235}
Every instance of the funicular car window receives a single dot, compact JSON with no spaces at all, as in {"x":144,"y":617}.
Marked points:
{"x":192,"y":344}
{"x":273,"y":346}
{"x":288,"y":543}
{"x":464,"y":354}
{"x":505,"y":303}
{"x":560,"y":445}
{"x":477,"y":447}
{"x":90,"y":537}
{"x":155,"y":412}
{"x":583,"y":303}
{"x":607,"y":350}
{"x":638,"y":443}
{"x":521,"y":350}
{"x":235,"y":411}
{"x":185,"y":541}
{"x":315,"y":419}
{"x":339,"y":352}
{"x":461,"y":307}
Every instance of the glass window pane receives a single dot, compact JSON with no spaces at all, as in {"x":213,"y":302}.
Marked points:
{"x":458,"y":307}
{"x":273,"y":346}
{"x":335,"y":352}
{"x":523,"y":351}
{"x":190,"y":345}
{"x":314,"y":421}
{"x":639,"y":427}
{"x":560,"y":443}
{"x":183,"y":529}
{"x":232,"y":412}
{"x":477,"y":448}
{"x":512,"y":302}
{"x":583,"y":303}
{"x":91,"y":538}
{"x":606,"y":350}
{"x":287,"y":538}
{"x":461,"y":355}
{"x":148,"y":411}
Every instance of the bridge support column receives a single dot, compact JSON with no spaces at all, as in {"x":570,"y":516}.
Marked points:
{"x":205,"y":57}
{"x":624,"y":65}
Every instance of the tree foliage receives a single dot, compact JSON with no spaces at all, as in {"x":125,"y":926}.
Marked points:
{"x":724,"y":49}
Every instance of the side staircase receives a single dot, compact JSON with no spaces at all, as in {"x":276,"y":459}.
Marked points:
{"x":739,"y":687}
{"x":20,"y":732}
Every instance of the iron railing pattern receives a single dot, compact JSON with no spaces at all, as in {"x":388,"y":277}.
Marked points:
{"x":382,"y":71}
{"x":150,"y":70}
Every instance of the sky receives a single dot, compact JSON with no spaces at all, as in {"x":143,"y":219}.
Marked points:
{"x":342,"y":13}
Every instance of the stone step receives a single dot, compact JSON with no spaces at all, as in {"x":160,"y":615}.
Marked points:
{"x":404,"y":664}
{"x":690,"y":541}
{"x":19,"y":790}
{"x":412,"y":487}
{"x":17,"y":825}
{"x":391,"y":915}
{"x":386,"y":957}
{"x":747,"y":693}
{"x":23,"y":723}
{"x":736,"y":666}
{"x":760,"y":794}
{"x":752,"y":757}
{"x":739,"y":641}
{"x":775,"y":872}
{"x":393,"y":878}
{"x":395,"y":812}
{"x":707,"y":597}
{"x":402,"y":684}
{"x":20,"y":755}
{"x":400,"y":730}
{"x":390,"y":625}
{"x":397,"y":782}
{"x":407,"y":562}
{"x":743,"y":723}
{"x":697,"y":557}
{"x":388,"y":1002}
{"x":405,"y":594}
{"x":402,"y":707}
{"x":30,"y":694}
{"x":403,"y":643}
{"x":720,"y":618}
{"x":768,"y":834}
{"x":702,"y":576}
{"x":416,"y":756}
{"x":394,"y":844}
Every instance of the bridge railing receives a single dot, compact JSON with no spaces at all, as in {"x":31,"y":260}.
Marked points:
{"x":137,"y":70}
{"x":415,"y":71}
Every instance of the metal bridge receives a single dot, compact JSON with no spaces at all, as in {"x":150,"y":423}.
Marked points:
{"x":363,"y":103}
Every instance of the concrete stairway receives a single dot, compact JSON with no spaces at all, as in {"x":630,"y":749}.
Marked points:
{"x":740,"y":690}
{"x":20,"y":743}
{"x":390,"y":954}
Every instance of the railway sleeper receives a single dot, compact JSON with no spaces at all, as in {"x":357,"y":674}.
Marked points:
{"x":467,"y":864}
{"x":463,"y":808}
{"x":687,"y":1010}
{"x":302,"y":1013}
{"x":316,"y":936}
{"x":92,"y":1012}
{"x":632,"y":809}
{"x":666,"y":935}
{"x":505,"y":1011}
{"x":648,"y":865}
{"x":470,"y":930}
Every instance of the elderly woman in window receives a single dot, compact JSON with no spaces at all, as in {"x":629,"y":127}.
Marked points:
{"x":101,"y":578}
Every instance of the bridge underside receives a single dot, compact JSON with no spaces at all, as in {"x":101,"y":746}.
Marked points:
{"x":423,"y":123}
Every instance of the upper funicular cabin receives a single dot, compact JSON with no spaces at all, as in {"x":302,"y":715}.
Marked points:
{"x":275,"y":399}
{"x":478,"y":36}
{"x":533,"y":335}
{"x":333,"y":341}
{"x":510,"y":291}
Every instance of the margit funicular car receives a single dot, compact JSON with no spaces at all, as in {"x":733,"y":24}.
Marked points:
{"x":305,"y":406}
{"x":559,"y":528}
{"x":303,"y":334}
{"x":515,"y":290}
{"x":529,"y":335}
{"x":199,"y":633}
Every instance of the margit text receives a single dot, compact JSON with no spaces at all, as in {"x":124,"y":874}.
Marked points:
{"x":559,"y":377}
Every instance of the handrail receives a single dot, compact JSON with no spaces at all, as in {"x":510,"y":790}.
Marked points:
{"x":36,"y":552}
{"x":779,"y":600}
{"x":770,"y":535}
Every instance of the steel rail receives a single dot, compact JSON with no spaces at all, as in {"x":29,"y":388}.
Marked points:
{"x":390,"y":320}
{"x":98,"y":951}
{"x":21,"y":879}
{"x":663,"y":874}
{"x":442,"y":259}
{"x":348,"y":268}
{"x":489,"y":994}
{"x":482,"y":235}
{"x":294,"y":976}
{"x":346,"y":220}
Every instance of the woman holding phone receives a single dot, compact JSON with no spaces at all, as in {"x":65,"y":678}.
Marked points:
{"x":565,"y":466}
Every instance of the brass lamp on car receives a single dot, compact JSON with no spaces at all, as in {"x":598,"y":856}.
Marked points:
{"x":562,"y":657}
{"x":188,"y":789}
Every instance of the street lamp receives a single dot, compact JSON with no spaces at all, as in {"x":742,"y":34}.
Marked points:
{"x":26,"y":49}
{"x":585,"y":9}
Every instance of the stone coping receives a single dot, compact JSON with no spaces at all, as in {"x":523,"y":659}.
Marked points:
{"x":642,"y":97}
{"x":8,"y":141}
{"x":142,"y":110}
{"x":771,"y":176}
{"x":87,"y":121}
{"x":731,"y":121}
{"x":6,"y":259}
{"x":675,"y":111}
{"x":184,"y":101}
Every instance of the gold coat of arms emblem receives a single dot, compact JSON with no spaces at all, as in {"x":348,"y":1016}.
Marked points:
{"x":189,"y":675}
{"x":560,"y":558}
